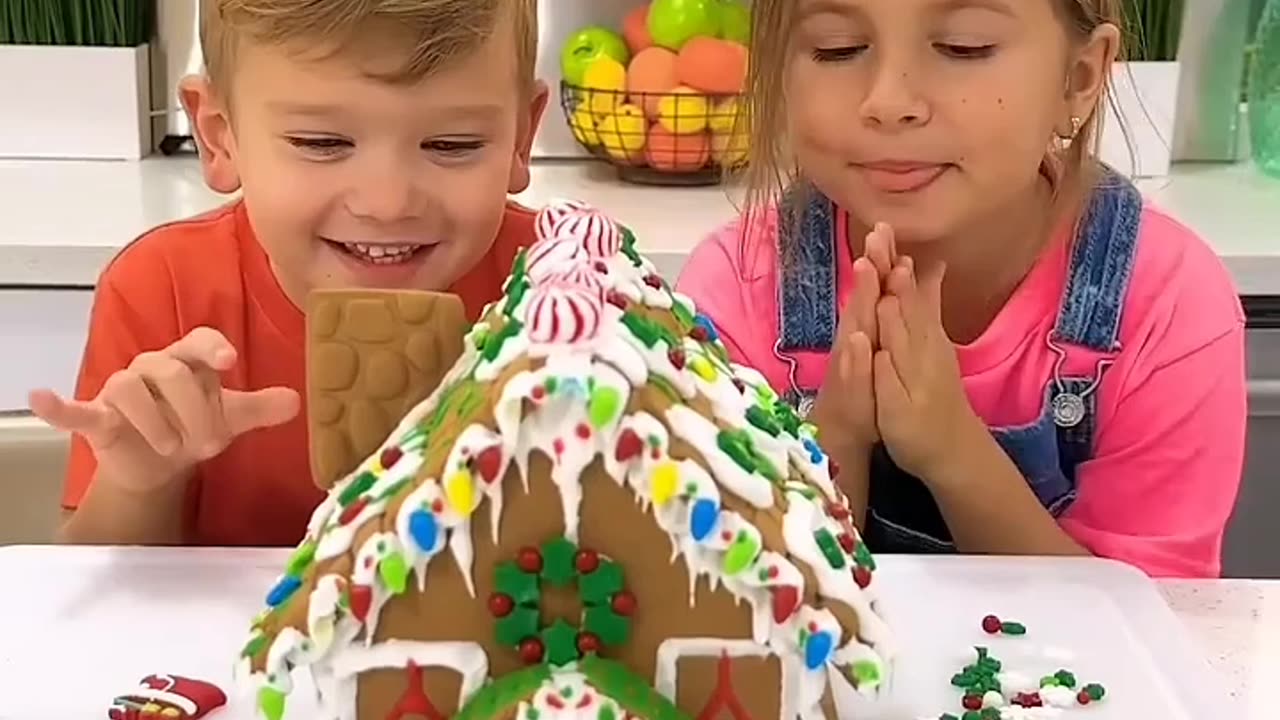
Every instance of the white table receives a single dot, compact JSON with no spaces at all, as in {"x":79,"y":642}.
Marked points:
{"x":1236,"y":623}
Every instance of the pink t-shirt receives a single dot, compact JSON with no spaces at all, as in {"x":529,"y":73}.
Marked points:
{"x":1169,"y":444}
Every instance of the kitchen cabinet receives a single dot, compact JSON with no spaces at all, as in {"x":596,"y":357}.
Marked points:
{"x":1253,"y":536}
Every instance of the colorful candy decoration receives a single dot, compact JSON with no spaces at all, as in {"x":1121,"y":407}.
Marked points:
{"x":550,"y":257}
{"x":993,"y":625}
{"x":167,"y":697}
{"x":594,"y":232}
{"x":563,"y":313}
{"x":515,"y":604}
{"x":987,"y":687}
{"x":578,"y":274}
{"x":548,"y":216}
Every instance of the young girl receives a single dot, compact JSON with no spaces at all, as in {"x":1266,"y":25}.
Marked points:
{"x":1004,"y":347}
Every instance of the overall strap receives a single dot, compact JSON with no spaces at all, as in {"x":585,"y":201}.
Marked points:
{"x":1101,"y":266}
{"x":806,"y":271}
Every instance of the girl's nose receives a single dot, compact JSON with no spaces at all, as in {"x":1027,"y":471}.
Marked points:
{"x":893,"y":101}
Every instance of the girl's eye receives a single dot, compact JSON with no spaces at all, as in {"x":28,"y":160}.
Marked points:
{"x":965,"y":52}
{"x":836,"y":54}
{"x":320,"y":145}
{"x":453,"y":147}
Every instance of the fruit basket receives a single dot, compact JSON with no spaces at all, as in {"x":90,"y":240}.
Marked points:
{"x":683,"y":137}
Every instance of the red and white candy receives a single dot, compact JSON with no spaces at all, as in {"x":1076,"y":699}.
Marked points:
{"x":562,"y":312}
{"x":579,"y":274}
{"x":594,"y":231}
{"x":552,"y":257}
{"x":552,"y":214}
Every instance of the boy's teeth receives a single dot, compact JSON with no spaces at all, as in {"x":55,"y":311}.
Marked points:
{"x":381,"y":253}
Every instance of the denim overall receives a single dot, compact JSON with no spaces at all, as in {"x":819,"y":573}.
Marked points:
{"x":902,"y":514}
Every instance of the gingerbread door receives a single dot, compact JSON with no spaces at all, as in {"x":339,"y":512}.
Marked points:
{"x":372,"y":355}
{"x":715,"y":679}
{"x":408,"y":680}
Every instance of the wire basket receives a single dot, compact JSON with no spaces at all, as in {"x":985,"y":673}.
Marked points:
{"x":676,"y":138}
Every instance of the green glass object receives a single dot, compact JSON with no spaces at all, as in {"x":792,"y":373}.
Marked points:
{"x":1264,"y":92}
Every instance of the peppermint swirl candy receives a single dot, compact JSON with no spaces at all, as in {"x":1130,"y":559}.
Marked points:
{"x":579,"y":274}
{"x":596,"y":232}
{"x":553,"y":213}
{"x":552,"y":257}
{"x":563,"y":313}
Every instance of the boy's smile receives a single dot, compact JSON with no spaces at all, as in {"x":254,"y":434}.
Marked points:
{"x":353,"y":179}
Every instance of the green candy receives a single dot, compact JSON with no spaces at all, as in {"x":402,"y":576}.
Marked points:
{"x":866,"y":673}
{"x":763,"y":421}
{"x":1095,"y":691}
{"x":601,"y":621}
{"x":271,"y":703}
{"x":990,"y":713}
{"x":561,"y":642}
{"x":603,"y":407}
{"x":1013,"y":628}
{"x":1048,"y":681}
{"x":829,"y":547}
{"x":301,"y":559}
{"x":394,"y":572}
{"x":606,"y":713}
{"x":972,"y":715}
{"x":557,"y":562}
{"x":358,"y":487}
{"x":947,"y":716}
{"x":521,"y":623}
{"x":493,"y":347}
{"x":532,"y":713}
{"x":600,"y":585}
{"x":254,"y":646}
{"x":1065,"y":678}
{"x":520,"y":586}
{"x":862,"y":555}
{"x":741,"y":554}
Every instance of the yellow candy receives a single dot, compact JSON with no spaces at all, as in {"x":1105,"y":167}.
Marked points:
{"x":461,"y":492}
{"x":171,"y":713}
{"x":703,"y":368}
{"x":664,"y":482}
{"x":150,"y":708}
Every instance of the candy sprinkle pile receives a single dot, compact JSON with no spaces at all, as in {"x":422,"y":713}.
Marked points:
{"x":990,"y":692}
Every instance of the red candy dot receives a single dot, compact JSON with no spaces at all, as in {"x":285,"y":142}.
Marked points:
{"x":837,"y":511}
{"x":390,"y":456}
{"x":773,"y":572}
{"x":726,"y":536}
{"x":352,"y":511}
{"x":531,"y":652}
{"x":437,"y":507}
{"x":587,"y":561}
{"x":584,"y":432}
{"x":616,"y":299}
{"x":699,"y":333}
{"x":653,"y":281}
{"x":846,"y":542}
{"x":601,"y":267}
{"x":529,"y":560}
{"x":835,"y":468}
{"x":501,"y":605}
{"x":972,"y":702}
{"x":558,"y":446}
{"x":588,"y":643}
{"x":554,"y":701}
{"x":813,"y":627}
{"x":862,"y":576}
{"x":1084,"y":698}
{"x":991,"y":624}
{"x":624,"y":603}
{"x":538,"y":392}
{"x":677,"y":358}
{"x":656,"y":454}
{"x":741,"y":386}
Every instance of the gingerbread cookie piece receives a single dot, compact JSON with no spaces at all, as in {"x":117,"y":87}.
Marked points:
{"x":371,"y":356}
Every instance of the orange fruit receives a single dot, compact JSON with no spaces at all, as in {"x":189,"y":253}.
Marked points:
{"x":712,"y":65}
{"x":652,"y":73}
{"x":635,"y":29}
{"x":676,"y":153}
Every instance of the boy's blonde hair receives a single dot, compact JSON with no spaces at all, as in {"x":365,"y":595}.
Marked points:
{"x":431,"y":33}
{"x":770,"y":170}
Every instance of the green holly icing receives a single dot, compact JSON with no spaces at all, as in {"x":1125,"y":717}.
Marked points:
{"x":665,"y":387}
{"x":683,"y":315}
{"x":604,"y":623}
{"x":561,"y":642}
{"x":301,"y":559}
{"x":647,"y":331}
{"x":787,"y":418}
{"x":629,"y":247}
{"x":862,"y":555}
{"x":829,"y":547}
{"x":737,"y":444}
{"x":255,"y":645}
{"x":603,"y":406}
{"x":557,"y":562}
{"x":606,"y":712}
{"x":520,"y":623}
{"x":493,"y":346}
{"x":763,"y":421}
{"x":599,"y":586}
{"x":532,"y":713}
{"x":498,"y":696}
{"x":356,"y":488}
{"x":1065,"y":679}
{"x":635,"y":694}
{"x":520,"y":586}
{"x":517,"y":285}
{"x":394,"y":572}
{"x":393,"y":488}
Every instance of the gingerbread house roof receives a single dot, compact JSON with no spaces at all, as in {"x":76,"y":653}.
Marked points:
{"x":590,"y":359}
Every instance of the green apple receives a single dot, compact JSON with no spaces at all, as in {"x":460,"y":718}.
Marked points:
{"x":673,"y":22}
{"x":735,"y":22}
{"x":587,"y":44}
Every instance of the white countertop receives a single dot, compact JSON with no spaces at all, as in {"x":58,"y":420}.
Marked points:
{"x":61,"y":221}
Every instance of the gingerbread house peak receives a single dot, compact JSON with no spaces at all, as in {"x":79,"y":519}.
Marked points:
{"x":589,"y":377}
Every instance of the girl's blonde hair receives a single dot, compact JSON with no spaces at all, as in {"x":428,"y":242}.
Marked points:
{"x":770,"y":170}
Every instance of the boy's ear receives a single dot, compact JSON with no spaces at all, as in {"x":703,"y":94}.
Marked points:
{"x":211,"y":128}
{"x":1090,"y":71}
{"x":529,"y":120}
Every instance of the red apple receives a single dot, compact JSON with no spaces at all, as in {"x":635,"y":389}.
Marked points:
{"x":635,"y":29}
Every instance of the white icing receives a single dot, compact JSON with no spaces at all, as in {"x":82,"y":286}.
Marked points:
{"x":567,"y":695}
{"x":1013,"y":682}
{"x":1013,"y":712}
{"x":992,"y":699}
{"x":468,"y":658}
{"x":700,"y":432}
{"x":1058,"y":696}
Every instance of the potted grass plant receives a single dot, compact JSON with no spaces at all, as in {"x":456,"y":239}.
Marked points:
{"x":1138,"y":131}
{"x":76,"y":78}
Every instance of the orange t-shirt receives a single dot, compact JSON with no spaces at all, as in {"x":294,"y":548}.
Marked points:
{"x":211,"y":271}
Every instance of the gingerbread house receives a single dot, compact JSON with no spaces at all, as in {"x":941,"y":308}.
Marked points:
{"x":594,"y":513}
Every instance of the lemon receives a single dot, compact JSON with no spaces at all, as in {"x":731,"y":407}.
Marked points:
{"x":608,"y":78}
{"x":726,"y":118}
{"x":623,"y":132}
{"x":729,"y":150}
{"x":583,"y":125}
{"x":683,"y":112}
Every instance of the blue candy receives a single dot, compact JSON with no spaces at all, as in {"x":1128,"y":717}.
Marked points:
{"x":283,"y":590}
{"x":423,"y":528}
{"x":705,"y":323}
{"x":703,"y":520}
{"x":818,"y":649}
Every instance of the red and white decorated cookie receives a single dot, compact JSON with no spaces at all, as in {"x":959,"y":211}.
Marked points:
{"x":564,"y":312}
{"x":552,"y":214}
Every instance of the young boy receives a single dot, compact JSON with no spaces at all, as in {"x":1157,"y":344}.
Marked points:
{"x":375,"y":144}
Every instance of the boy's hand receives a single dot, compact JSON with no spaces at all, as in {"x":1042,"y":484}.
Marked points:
{"x":845,"y":406}
{"x":921,"y":406}
{"x":166,"y":412}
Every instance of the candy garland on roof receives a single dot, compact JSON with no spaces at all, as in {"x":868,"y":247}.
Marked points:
{"x":589,"y":315}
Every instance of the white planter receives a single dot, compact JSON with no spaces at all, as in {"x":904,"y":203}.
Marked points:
{"x":1137,"y":137}
{"x":75,"y":102}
